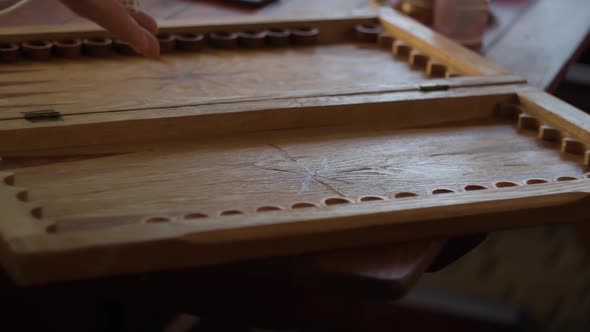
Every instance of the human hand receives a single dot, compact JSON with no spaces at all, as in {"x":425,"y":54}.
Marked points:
{"x":136,"y":28}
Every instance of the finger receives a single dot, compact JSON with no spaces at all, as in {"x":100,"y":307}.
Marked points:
{"x":146,"y":21}
{"x":153,"y":45}
{"x":113,"y":16}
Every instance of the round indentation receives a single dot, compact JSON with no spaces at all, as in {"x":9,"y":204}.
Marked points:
{"x":252,"y":39}
{"x":22,"y":195}
{"x":573,"y":146}
{"x":371,"y":199}
{"x":442,"y":191}
{"x":231,"y":213}
{"x":505,"y":184}
{"x":124,"y":47}
{"x":51,"y":229}
{"x":385,"y":40}
{"x":192,"y":216}
{"x":437,"y":70}
{"x":98,"y":47}
{"x":368,"y":33}
{"x":474,"y":187}
{"x":303,"y":205}
{"x":549,"y":134}
{"x":536,"y":181}
{"x":305,"y":35}
{"x":336,"y":201}
{"x":224,"y":40}
{"x":37,"y":50}
{"x":268,"y":208}
{"x":68,"y":48}
{"x":167,"y":43}
{"x":37,"y":212}
{"x":528,"y":122}
{"x":9,"y":180}
{"x":9,"y":52}
{"x":190,"y":42}
{"x":405,"y":195}
{"x":566,"y":178}
{"x":401,"y":50}
{"x":155,"y":220}
{"x":278,"y":37}
{"x":419,"y":60}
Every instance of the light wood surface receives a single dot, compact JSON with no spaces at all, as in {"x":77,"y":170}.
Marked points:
{"x":442,"y":48}
{"x":351,"y":149}
{"x":512,"y":41}
{"x":212,"y":76}
{"x":280,"y":169}
{"x":156,"y":196}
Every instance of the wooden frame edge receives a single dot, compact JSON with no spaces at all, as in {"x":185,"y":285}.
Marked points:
{"x":556,"y":113}
{"x":36,"y":32}
{"x":99,"y":128}
{"x":436,"y":45}
{"x":60,"y":257}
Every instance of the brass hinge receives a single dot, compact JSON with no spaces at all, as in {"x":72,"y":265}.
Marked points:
{"x":434,"y":87}
{"x":43,"y":116}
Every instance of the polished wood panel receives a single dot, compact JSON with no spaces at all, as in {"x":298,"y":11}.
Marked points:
{"x":186,"y":181}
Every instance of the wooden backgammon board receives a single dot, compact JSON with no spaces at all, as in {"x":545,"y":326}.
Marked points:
{"x":260,"y":138}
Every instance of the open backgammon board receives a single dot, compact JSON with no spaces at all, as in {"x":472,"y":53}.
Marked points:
{"x":260,"y":138}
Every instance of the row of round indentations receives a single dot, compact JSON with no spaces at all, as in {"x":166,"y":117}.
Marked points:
{"x":550,"y":134}
{"x":333,"y":201}
{"x":22,"y":195}
{"x":373,"y":33}
{"x":69,"y":49}
{"x":104,"y":47}
{"x":544,"y":131}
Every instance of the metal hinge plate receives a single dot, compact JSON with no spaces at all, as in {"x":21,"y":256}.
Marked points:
{"x":43,"y":116}
{"x":434,"y":87}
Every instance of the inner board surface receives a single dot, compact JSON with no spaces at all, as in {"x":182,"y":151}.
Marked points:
{"x":210,"y":76}
{"x":282,"y":168}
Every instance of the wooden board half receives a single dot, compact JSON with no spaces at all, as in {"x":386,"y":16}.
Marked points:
{"x":336,"y":64}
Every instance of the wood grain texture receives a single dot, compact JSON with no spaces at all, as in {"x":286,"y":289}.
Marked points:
{"x":337,"y":162}
{"x":55,"y":257}
{"x":187,"y":79}
{"x":558,"y":114}
{"x":438,"y":46}
{"x":398,"y":105}
{"x":337,"y":66}
{"x":212,"y":199}
{"x":507,"y":42}
{"x":325,"y":152}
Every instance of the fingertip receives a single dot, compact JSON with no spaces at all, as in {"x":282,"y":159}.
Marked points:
{"x":145,"y":21}
{"x":152,"y":47}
